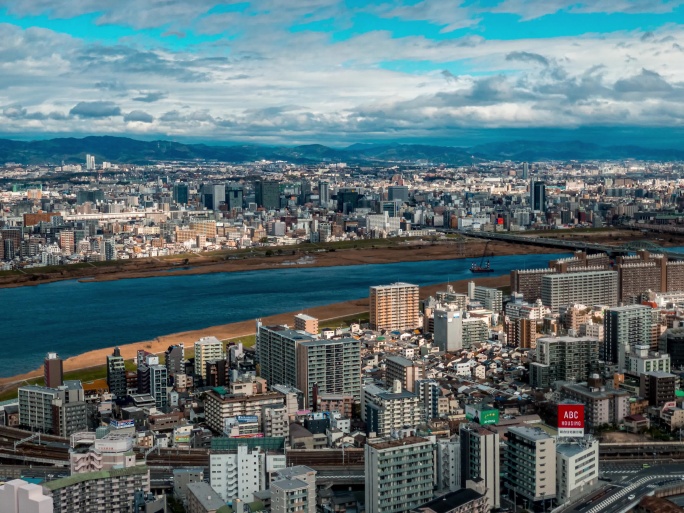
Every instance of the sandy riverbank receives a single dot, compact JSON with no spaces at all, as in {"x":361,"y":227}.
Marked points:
{"x":237,"y":329}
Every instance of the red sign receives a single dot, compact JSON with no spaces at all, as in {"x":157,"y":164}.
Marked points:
{"x":570,"y":420}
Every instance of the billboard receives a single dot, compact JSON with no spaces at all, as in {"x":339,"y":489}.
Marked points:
{"x":121,"y":424}
{"x":242,"y":419}
{"x":570,"y":420}
{"x":482,"y":416}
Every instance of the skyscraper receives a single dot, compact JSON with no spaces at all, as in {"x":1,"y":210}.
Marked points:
{"x":53,"y":370}
{"x":116,"y":374}
{"x":267,"y":194}
{"x":324,"y":193}
{"x":525,"y":171}
{"x":537,"y":196}
{"x":625,"y":327}
{"x":180,"y":193}
{"x":234,"y":197}
{"x":213,"y":195}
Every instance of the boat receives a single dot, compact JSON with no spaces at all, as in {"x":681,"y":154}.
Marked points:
{"x":482,"y":267}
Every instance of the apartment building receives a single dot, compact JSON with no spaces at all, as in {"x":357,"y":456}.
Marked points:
{"x":293,"y":490}
{"x":394,"y":307}
{"x":238,"y":473}
{"x":303,"y":322}
{"x":490,"y":298}
{"x":460,"y":501}
{"x":116,"y":374}
{"x":641,"y":360}
{"x":601,"y":405}
{"x":206,"y":349}
{"x":276,"y":349}
{"x":658,"y":387}
{"x":387,"y":411}
{"x":399,"y":474}
{"x":17,"y":496}
{"x":587,"y":288}
{"x":60,"y":411}
{"x":528,"y":282}
{"x":404,"y":370}
{"x":625,"y":327}
{"x":530,"y":465}
{"x":563,"y":359}
{"x":202,"y":498}
{"x":219,"y":405}
{"x":577,"y":468}
{"x":480,"y":461}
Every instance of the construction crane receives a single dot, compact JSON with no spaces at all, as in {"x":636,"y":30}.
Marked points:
{"x":483,"y":267}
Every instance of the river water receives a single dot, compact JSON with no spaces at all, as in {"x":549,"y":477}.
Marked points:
{"x":71,"y":317}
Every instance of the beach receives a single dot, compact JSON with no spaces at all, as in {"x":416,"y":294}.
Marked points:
{"x":238,"y":329}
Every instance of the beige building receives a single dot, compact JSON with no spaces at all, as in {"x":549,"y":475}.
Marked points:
{"x":206,"y":349}
{"x":220,"y":405}
{"x":394,"y":307}
{"x":303,"y":322}
{"x":398,"y":368}
{"x":293,"y":490}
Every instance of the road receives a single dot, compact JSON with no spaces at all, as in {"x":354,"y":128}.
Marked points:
{"x":627,"y":480}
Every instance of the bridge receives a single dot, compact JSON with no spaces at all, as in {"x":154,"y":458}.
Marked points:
{"x":572,"y":245}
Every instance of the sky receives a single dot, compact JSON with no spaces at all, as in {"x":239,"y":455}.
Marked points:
{"x":340,"y":71}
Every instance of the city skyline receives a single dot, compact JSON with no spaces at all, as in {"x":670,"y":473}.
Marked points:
{"x":338,"y":72}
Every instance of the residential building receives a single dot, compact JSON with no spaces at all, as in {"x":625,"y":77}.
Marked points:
{"x":658,"y":387}
{"x":220,"y":405}
{"x":394,"y":307}
{"x":399,"y":474}
{"x":116,"y":374}
{"x":601,"y":405}
{"x":53,"y":370}
{"x":625,"y":327}
{"x":429,"y":393}
{"x":206,"y":349}
{"x":480,"y":462}
{"x":642,"y":360}
{"x":587,"y":288}
{"x":60,"y":411}
{"x":386,"y":412}
{"x":306,"y":323}
{"x":158,"y":385}
{"x":672,"y":343}
{"x":577,"y":468}
{"x":563,"y":359}
{"x":404,"y":370}
{"x":276,"y":349}
{"x":18,"y":496}
{"x":203,"y":499}
{"x":238,"y":473}
{"x":490,"y":298}
{"x":448,"y":473}
{"x":275,"y":421}
{"x":521,"y":322}
{"x":448,"y":329}
{"x":460,"y":501}
{"x":107,"y":491}
{"x":530,"y":465}
{"x":293,"y":490}
{"x":174,"y":359}
{"x":528,"y":282}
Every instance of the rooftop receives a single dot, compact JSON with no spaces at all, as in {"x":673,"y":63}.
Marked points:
{"x":534,"y":434}
{"x":409,"y":440}
{"x":92,"y":476}
{"x":206,"y":496}
{"x":451,"y":501}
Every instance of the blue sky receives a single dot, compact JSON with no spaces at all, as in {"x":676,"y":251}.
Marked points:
{"x":338,"y":71}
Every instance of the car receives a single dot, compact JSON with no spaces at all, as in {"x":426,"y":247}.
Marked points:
{"x":631,"y":497}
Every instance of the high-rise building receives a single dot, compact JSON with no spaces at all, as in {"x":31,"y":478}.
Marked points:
{"x":658,"y":387}
{"x":563,"y":359}
{"x":293,"y":490}
{"x":398,"y":193}
{"x":174,"y":359}
{"x":90,"y":162}
{"x":537,"y":196}
{"x":53,"y":370}
{"x":220,"y":405}
{"x":181,"y":193}
{"x":267,"y":194}
{"x":66,"y":241}
{"x":394,"y":307}
{"x":480,"y":460}
{"x":528,"y":282}
{"x":586,"y":287}
{"x":530,"y":466}
{"x":276,"y":351}
{"x":672,"y":343}
{"x":399,"y":474}
{"x":490,"y":298}
{"x":238,"y":473}
{"x":387,"y":411}
{"x":213,"y":195}
{"x":448,"y":465}
{"x":60,"y":411}
{"x":525,"y":171}
{"x":625,"y":327}
{"x":234,"y":197}
{"x":116,"y":374}
{"x":429,"y":393}
{"x":158,"y":385}
{"x":324,"y":193}
{"x":17,"y":496}
{"x":206,"y":349}
{"x":448,"y":329}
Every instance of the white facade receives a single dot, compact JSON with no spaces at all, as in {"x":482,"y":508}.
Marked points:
{"x":18,"y":496}
{"x":240,"y":474}
{"x":577,"y":469}
{"x":448,"y":465}
{"x":448,"y":334}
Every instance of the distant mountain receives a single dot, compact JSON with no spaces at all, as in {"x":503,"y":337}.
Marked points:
{"x":126,"y":150}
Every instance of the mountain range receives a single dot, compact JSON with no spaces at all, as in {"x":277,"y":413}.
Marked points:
{"x":126,"y":150}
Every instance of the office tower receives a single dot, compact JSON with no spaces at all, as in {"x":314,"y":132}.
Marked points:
{"x":53,"y":370}
{"x":530,"y":466}
{"x":448,"y":329}
{"x":116,"y":374}
{"x":333,"y":366}
{"x":563,"y":359}
{"x":399,"y":474}
{"x":18,"y":496}
{"x":293,"y":490}
{"x":304,"y":192}
{"x":537,"y":196}
{"x":90,"y":162}
{"x":158,"y":384}
{"x":490,"y":298}
{"x":587,"y":288}
{"x":480,"y":459}
{"x":181,"y":193}
{"x":207,"y":348}
{"x":658,"y":387}
{"x":267,"y":194}
{"x":624,"y":327}
{"x":407,"y":372}
{"x":394,"y":307}
{"x":92,"y":196}
{"x":525,"y":171}
{"x":528,"y":282}
{"x":347,"y":200}
{"x":234,"y":197}
{"x":672,"y":343}
{"x":303,"y":322}
{"x":398,"y":193}
{"x":324,"y":193}
{"x":112,"y":490}
{"x":174,"y":359}
{"x":577,"y":468}
{"x":220,"y":405}
{"x":387,"y":411}
{"x":213,"y":195}
{"x":238,"y":473}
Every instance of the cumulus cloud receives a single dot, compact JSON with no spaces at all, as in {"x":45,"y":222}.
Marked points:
{"x":138,"y":115}
{"x":97,"y":109}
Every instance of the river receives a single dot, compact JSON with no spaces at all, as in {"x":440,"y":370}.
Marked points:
{"x":71,"y":317}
